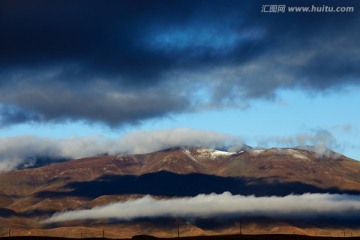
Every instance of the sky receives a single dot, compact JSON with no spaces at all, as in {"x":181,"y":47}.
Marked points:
{"x":76,"y":77}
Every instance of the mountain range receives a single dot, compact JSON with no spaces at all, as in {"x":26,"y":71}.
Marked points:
{"x":30,"y":196}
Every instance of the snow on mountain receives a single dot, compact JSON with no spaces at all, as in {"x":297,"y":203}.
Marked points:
{"x":213,"y":153}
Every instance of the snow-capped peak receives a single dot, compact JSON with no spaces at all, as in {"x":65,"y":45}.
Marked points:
{"x":213,"y":153}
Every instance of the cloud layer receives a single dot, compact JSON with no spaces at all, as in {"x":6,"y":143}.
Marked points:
{"x":226,"y":204}
{"x":321,"y":141}
{"x":124,"y":62}
{"x":25,"y":149}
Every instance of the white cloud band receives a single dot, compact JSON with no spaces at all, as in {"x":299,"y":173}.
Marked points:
{"x":306,"y":205}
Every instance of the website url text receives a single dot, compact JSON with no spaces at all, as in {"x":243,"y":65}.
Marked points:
{"x":308,"y":9}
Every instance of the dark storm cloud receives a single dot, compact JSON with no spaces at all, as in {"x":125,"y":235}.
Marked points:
{"x":120,"y":62}
{"x":12,"y":115}
{"x":100,"y":101}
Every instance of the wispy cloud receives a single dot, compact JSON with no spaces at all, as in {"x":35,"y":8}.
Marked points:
{"x":321,"y":140}
{"x":226,"y":204}
{"x":147,"y":141}
{"x":24,"y":149}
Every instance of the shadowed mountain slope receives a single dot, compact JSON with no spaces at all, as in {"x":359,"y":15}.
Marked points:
{"x":169,"y":184}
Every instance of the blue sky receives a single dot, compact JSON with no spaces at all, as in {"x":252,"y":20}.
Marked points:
{"x":120,"y":68}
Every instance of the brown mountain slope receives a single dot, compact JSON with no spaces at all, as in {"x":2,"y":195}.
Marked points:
{"x":19,"y":189}
{"x":23,"y":203}
{"x":284,"y":165}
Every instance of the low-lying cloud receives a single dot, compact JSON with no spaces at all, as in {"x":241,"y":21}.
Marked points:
{"x":25,"y":149}
{"x":226,"y":204}
{"x":147,"y":141}
{"x":321,"y":141}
